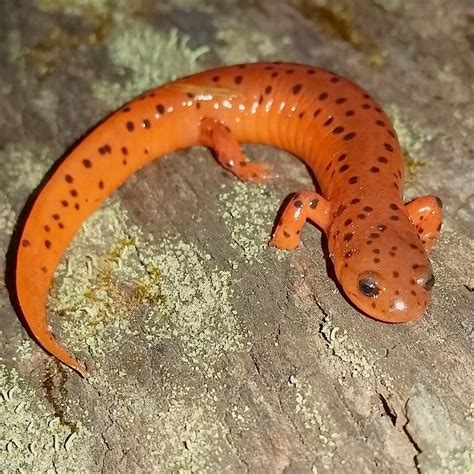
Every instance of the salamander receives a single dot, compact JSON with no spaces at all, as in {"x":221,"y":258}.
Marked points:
{"x":378,"y":245}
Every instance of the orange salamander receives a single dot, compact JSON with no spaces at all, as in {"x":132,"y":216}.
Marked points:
{"x":377,"y":244}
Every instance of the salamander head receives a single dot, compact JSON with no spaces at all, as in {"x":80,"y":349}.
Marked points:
{"x":383,"y":268}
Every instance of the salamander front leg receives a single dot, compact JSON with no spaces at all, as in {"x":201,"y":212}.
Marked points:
{"x":219,"y":137}
{"x":302,"y":206}
{"x":426,"y":214}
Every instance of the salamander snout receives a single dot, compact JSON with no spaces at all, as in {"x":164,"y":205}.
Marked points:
{"x":392,"y":296}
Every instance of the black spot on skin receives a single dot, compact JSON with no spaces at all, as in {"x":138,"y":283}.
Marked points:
{"x":343,"y":168}
{"x":316,"y":113}
{"x":366,"y":106}
{"x":340,"y":210}
{"x":380,"y":123}
{"x":353,"y":179}
{"x":382,"y":227}
{"x":388,"y":147}
{"x":349,"y":136}
{"x":56,"y":217}
{"x":392,"y":134}
{"x":296,"y":89}
{"x":268,"y":68}
{"x":101,"y":184}
{"x":268,"y":90}
{"x":290,"y":71}
{"x":376,"y":260}
{"x":341,"y":100}
{"x":68,"y":178}
{"x":190,"y":95}
{"x":348,"y":222}
{"x":310,"y":71}
{"x":124,"y":151}
{"x":366,"y":96}
{"x":328,"y":121}
{"x":342,"y":157}
{"x":47,"y":228}
{"x":301,"y":115}
{"x":126,"y":109}
{"x":377,"y":109}
{"x":323,"y":96}
{"x":334,"y":80}
{"x":274,"y":74}
{"x":328,"y":166}
{"x":87,"y":163}
{"x":374,"y":235}
{"x":348,"y":237}
{"x":355,"y":201}
{"x":76,"y":206}
{"x":392,"y":254}
{"x":160,"y":109}
{"x":238,"y":79}
{"x":313,"y":203}
{"x":73,"y":193}
{"x":25,"y":243}
{"x":130,"y":126}
{"x":64,"y":203}
{"x":338,"y":130}
{"x":286,"y":234}
{"x":361,"y":216}
{"x":260,"y":99}
{"x":395,"y":274}
{"x":44,"y":269}
{"x":350,"y":113}
{"x":198,"y":105}
{"x":382,"y":159}
{"x":146,"y":123}
{"x":368,"y":209}
{"x":374,"y":169}
{"x":103,"y":150}
{"x":376,"y":251}
{"x":394,"y":207}
{"x":47,"y":244}
{"x":216,"y":79}
{"x":394,"y":218}
{"x":298,"y":204}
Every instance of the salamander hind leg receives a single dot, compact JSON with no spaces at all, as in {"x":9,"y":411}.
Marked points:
{"x":302,"y":206}
{"x":218,"y":136}
{"x":426,"y":214}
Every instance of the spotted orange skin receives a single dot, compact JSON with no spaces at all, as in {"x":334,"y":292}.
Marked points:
{"x":333,"y":125}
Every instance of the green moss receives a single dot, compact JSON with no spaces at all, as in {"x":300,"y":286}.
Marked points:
{"x":24,"y":167}
{"x":248,"y":212}
{"x":412,"y":139}
{"x":145,"y":58}
{"x":354,"y":356}
{"x":451,"y":448}
{"x":32,"y":439}
{"x":239,"y":43}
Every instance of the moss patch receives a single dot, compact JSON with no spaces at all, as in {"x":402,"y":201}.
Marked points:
{"x":145,"y":57}
{"x":248,"y":212}
{"x":412,"y":139}
{"x":32,"y":439}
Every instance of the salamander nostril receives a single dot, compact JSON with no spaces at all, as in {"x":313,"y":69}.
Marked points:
{"x":429,"y":282}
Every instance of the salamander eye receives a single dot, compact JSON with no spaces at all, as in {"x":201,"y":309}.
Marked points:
{"x":368,"y":285}
{"x":429,"y":282}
